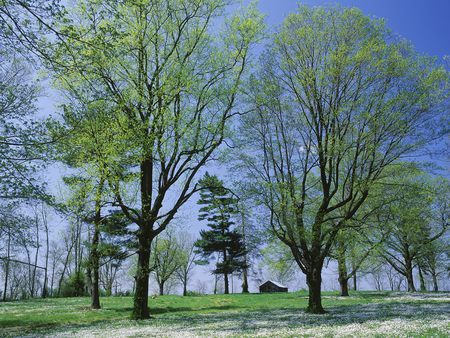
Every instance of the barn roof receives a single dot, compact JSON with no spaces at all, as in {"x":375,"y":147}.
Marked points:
{"x":276,"y":283}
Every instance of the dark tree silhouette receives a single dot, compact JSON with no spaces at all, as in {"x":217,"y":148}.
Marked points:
{"x":219,"y":207}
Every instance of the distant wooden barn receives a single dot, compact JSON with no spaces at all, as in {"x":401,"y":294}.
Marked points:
{"x":271,"y":286}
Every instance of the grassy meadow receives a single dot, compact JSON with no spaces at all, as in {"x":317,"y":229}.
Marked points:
{"x":370,"y":314}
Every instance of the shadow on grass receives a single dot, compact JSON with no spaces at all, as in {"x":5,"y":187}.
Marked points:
{"x":173,"y":309}
{"x":249,"y":322}
{"x":239,"y":319}
{"x":371,"y":295}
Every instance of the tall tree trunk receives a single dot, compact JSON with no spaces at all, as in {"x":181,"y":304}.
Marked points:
{"x":344,"y":287}
{"x":47,"y":249}
{"x":435,"y":282}
{"x":145,"y":235}
{"x":355,"y":284}
{"x":342,"y":269}
{"x":76,"y":245}
{"x":95,"y":255}
{"x":109,"y":279}
{"x":185,"y":284}
{"x":89,"y":268}
{"x":30,"y":274}
{"x":53,"y":278}
{"x":225,"y":278}
{"x":215,"y":284}
{"x":95,"y":296}
{"x":89,"y":278}
{"x":423,"y":287}
{"x":8,"y":255}
{"x":225,"y":275}
{"x":244,"y":281}
{"x":245,"y":272}
{"x":140,"y":310}
{"x":314,"y":281}
{"x":161,"y":288}
{"x":409,"y":276}
{"x":95,"y":292}
{"x":66,"y":262}
{"x":36,"y":255}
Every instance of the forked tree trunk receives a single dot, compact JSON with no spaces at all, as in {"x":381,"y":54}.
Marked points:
{"x":314,"y":281}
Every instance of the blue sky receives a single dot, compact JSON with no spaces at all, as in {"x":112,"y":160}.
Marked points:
{"x":426,"y":23}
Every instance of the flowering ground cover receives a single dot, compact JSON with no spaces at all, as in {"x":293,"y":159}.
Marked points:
{"x":366,"y":314}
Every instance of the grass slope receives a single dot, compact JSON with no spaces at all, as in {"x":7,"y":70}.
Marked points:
{"x":280,"y":315}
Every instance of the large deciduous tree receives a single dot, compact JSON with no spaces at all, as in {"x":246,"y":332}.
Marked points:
{"x":21,"y":134}
{"x":171,"y":79}
{"x":166,"y":259}
{"x":188,"y":256}
{"x":416,"y":220}
{"x":337,"y":100}
{"x":85,"y":137}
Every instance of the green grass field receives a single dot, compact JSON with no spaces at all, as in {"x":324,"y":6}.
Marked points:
{"x":266,"y":315}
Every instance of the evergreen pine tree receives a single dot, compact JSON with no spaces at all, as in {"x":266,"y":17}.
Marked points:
{"x":219,"y":207}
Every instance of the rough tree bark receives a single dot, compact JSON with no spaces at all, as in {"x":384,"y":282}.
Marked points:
{"x":314,"y":281}
{"x":140,"y":309}
{"x":409,"y":276}
{"x":245,"y":281}
{"x":95,"y":255}
{"x":343,"y":278}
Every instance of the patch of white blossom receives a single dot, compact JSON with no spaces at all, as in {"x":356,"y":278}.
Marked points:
{"x":396,"y":316}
